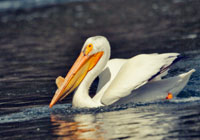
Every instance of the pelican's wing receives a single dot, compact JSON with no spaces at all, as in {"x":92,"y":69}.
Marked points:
{"x":136,"y":72}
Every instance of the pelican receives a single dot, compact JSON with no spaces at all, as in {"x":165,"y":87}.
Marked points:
{"x":138,"y":79}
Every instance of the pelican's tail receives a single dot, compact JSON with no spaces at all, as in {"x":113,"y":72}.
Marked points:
{"x":187,"y":74}
{"x":181,"y":82}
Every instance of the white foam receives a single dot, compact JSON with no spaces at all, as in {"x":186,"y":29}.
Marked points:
{"x":190,"y":99}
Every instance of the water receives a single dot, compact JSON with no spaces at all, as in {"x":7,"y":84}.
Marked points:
{"x":41,"y":43}
{"x":13,"y":5}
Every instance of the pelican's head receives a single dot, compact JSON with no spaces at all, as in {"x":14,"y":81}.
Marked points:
{"x":94,"y":51}
{"x":98,"y":44}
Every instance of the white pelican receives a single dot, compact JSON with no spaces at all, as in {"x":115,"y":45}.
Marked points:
{"x":138,"y":79}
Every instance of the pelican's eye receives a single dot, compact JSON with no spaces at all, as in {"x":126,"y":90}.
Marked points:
{"x":88,"y":49}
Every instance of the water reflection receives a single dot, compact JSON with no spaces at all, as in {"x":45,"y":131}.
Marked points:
{"x":129,"y":123}
{"x":83,"y":127}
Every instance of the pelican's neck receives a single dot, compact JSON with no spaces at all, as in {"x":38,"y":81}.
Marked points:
{"x":81,"y":97}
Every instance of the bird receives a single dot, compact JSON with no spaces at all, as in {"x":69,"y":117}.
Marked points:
{"x":121,"y":81}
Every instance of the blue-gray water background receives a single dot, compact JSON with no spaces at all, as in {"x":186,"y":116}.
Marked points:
{"x":40,"y":39}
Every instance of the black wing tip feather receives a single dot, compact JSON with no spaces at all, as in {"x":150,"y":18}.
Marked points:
{"x":164,"y":68}
{"x":178,"y":58}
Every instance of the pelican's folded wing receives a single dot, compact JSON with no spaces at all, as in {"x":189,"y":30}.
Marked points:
{"x":136,"y":72}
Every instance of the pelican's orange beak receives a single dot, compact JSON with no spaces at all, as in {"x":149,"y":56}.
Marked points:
{"x":78,"y":71}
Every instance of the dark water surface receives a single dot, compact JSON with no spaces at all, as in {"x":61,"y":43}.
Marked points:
{"x":40,"y":43}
